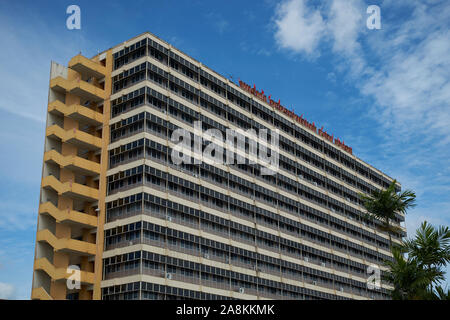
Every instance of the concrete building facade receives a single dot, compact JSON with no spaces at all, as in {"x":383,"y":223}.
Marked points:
{"x":119,"y":217}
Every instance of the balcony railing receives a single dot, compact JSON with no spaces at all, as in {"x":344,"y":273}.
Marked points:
{"x":78,"y":87}
{"x":65,"y":244}
{"x":71,"y":189}
{"x":68,"y":216}
{"x":61,"y":273}
{"x":225,"y":285}
{"x":77,"y":112}
{"x":87,"y":67}
{"x":122,"y":273}
{"x":73,"y":163}
{"x":76,"y":137}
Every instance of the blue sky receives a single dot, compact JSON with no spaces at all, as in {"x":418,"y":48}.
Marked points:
{"x":385,"y":92}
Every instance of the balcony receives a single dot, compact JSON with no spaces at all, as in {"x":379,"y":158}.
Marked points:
{"x":70,"y":189}
{"x":61,"y":273}
{"x":66,"y":245}
{"x":76,"y":137}
{"x":73,"y":163}
{"x":78,"y":87}
{"x":77,"y":112}
{"x":40,"y":294}
{"x":68,"y":216}
{"x":87,"y":67}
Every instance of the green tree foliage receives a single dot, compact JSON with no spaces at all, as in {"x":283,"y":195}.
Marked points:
{"x":416,"y":270}
{"x":383,"y":205}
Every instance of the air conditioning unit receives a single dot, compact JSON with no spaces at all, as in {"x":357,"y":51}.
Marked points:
{"x":333,"y":210}
{"x":322,"y":264}
{"x":341,"y":289}
{"x":169,"y":218}
{"x":169,"y":276}
{"x":130,"y":243}
{"x":348,"y":199}
{"x":241,"y":290}
{"x":315,"y":183}
{"x":206,"y":255}
{"x":306,"y":259}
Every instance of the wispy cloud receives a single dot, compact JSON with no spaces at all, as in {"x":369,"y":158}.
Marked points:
{"x":332,"y":77}
{"x":29,"y":43}
{"x":7,"y":291}
{"x":255,"y":49}
{"x":410,"y":80}
{"x":218,"y":21}
{"x":17,"y":216}
{"x":299,"y":27}
{"x":403,"y":74}
{"x":16,"y":263}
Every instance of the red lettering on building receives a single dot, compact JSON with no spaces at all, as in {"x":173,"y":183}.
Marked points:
{"x":311,"y":126}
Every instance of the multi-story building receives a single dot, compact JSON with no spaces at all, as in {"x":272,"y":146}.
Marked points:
{"x":137,"y":226}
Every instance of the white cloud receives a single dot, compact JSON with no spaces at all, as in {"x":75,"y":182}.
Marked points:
{"x":264,"y":52}
{"x":413,"y":86}
{"x":299,"y":28}
{"x":302,"y":29}
{"x":405,"y":67}
{"x":403,"y":74}
{"x":7,"y":291}
{"x":415,"y":219}
{"x":345,"y":23}
{"x":332,"y":77}
{"x":17,"y":216}
{"x":410,"y":83}
{"x":218,"y":22}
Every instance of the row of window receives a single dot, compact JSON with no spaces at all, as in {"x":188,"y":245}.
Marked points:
{"x":228,"y":229}
{"x":155,"y":125}
{"x":270,"y":116}
{"x":146,"y":121}
{"x":160,"y":265}
{"x":133,"y":151}
{"x":149,"y":233}
{"x":153,"y":291}
{"x":286,"y":164}
{"x":132,"y":205}
{"x":152,"y":177}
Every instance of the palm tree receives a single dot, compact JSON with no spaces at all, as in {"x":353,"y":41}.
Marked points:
{"x":409,"y":279}
{"x":440,"y":294}
{"x":416,"y":269}
{"x":382,"y":205}
{"x":431,"y":246}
